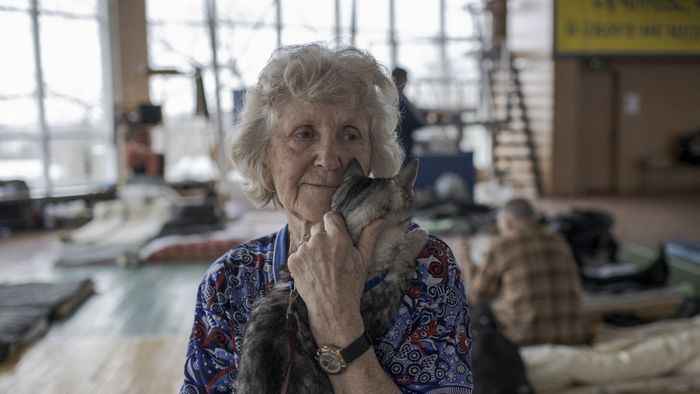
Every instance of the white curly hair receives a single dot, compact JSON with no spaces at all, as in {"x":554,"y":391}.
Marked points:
{"x":315,"y":73}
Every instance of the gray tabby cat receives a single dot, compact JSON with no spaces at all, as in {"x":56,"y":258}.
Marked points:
{"x":359,"y":200}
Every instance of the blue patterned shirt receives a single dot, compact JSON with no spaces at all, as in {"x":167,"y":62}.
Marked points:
{"x":426,"y":347}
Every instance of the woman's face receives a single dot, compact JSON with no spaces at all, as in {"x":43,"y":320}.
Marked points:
{"x":309,"y":149}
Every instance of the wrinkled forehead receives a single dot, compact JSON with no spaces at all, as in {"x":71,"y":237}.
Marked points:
{"x":344,"y":101}
{"x":343,"y":110}
{"x":340,"y":104}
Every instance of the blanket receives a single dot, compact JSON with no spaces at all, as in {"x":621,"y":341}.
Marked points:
{"x":663,"y":349}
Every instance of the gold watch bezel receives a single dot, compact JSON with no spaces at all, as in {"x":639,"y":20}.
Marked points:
{"x":334,"y":353}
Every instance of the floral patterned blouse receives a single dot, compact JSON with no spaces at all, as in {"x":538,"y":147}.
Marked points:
{"x":425,"y":348}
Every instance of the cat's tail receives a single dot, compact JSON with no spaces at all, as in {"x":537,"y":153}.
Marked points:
{"x":264,"y":355}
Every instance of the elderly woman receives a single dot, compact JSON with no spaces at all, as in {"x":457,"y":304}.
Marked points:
{"x":312,"y":111}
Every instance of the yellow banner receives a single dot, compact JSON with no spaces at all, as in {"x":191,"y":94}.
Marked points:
{"x":627,"y":27}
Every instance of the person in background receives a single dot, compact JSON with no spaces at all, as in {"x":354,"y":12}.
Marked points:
{"x":411,"y":117}
{"x":531,"y":281}
{"x":313,"y":110}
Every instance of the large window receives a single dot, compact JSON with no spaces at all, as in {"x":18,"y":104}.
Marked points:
{"x":55,"y":96}
{"x":247,"y":34}
{"x":434,"y":41}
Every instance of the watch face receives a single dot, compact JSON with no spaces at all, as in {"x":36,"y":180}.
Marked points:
{"x":329,"y":362}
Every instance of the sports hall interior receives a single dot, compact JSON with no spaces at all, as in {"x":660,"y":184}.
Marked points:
{"x":116,"y":194}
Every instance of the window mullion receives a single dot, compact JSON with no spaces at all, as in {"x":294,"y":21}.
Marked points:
{"x":106,"y":49}
{"x":41,"y":96}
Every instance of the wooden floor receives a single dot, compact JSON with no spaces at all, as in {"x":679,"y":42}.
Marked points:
{"x":97,"y":364}
{"x":130,"y":337}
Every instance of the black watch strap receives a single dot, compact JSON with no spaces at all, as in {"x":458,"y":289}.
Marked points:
{"x":356,"y":348}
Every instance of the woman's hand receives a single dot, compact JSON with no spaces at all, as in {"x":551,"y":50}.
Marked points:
{"x":329,"y":273}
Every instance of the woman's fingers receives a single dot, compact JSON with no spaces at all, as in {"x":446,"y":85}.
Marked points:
{"x":318,"y":228}
{"x":368,"y":239}
{"x":334,"y":223}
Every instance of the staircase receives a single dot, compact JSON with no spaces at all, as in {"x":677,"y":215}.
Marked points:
{"x":515,"y":155}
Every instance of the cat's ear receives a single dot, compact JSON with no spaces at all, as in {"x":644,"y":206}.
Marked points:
{"x":354,"y":169}
{"x":407,"y":175}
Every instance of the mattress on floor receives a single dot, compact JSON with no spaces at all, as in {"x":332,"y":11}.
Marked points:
{"x":669,"y":348}
{"x":665,"y":384}
{"x":107,"y":217}
{"x":684,"y":250}
{"x":61,"y":298}
{"x":26,"y":308}
{"x":77,"y":255}
{"x":23,"y":324}
{"x":18,"y":325}
{"x":189,"y":248}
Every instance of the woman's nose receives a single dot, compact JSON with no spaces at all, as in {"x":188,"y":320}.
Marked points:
{"x":328,"y":154}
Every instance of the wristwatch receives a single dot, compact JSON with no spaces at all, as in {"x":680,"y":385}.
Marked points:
{"x":333,"y":360}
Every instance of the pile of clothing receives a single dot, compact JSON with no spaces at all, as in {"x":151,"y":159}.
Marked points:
{"x":589,"y":234}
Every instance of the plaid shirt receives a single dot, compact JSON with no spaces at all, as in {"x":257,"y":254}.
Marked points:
{"x":533,"y":284}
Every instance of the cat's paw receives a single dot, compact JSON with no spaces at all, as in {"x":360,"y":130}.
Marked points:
{"x":418,"y":235}
{"x":417,"y":238}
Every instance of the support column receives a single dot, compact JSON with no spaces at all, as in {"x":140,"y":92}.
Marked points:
{"x":565,"y":145}
{"x":130,"y":65}
{"x":130,"y":53}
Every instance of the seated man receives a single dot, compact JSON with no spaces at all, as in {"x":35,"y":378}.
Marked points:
{"x":531,"y":280}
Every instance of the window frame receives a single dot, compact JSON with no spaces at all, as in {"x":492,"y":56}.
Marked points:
{"x":45,"y":136}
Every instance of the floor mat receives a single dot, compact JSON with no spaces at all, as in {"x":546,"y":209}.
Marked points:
{"x":61,"y":298}
{"x":684,"y":250}
{"x":78,"y":255}
{"x":23,"y":324}
{"x":25,"y":309}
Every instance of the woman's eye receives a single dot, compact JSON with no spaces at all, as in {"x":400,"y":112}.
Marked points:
{"x":351,"y":136}
{"x":304,"y":134}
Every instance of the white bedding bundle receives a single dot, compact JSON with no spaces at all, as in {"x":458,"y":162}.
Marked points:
{"x":662,"y":349}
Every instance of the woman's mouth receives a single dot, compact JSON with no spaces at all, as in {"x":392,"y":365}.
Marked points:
{"x":323,"y":186}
